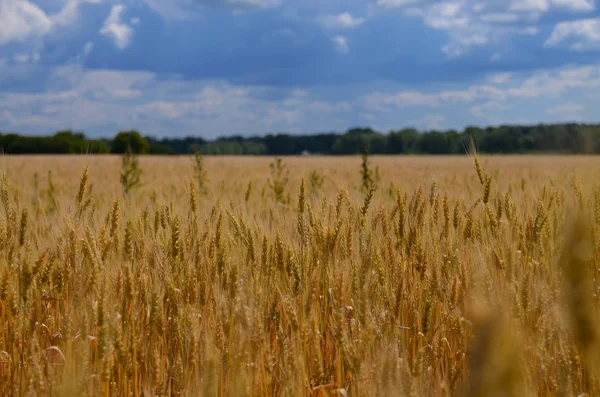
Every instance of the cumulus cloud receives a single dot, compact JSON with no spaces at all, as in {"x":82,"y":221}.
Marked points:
{"x":87,"y":99}
{"x":120,"y":32}
{"x":487,"y":109}
{"x":583,"y":34}
{"x":103,"y":101}
{"x":503,"y":17}
{"x":240,"y":3}
{"x":461,"y":43}
{"x":21,"y":58}
{"x":497,"y":89}
{"x":396,"y":3}
{"x":500,"y":78}
{"x":569,"y":111}
{"x":341,"y":21}
{"x":20,"y":20}
{"x":340,"y":44}
{"x":530,"y":5}
{"x":26,"y":57}
{"x":566,"y":108}
{"x":88,"y":48}
{"x":446,"y":15}
{"x":460,"y":19}
{"x":379,"y":101}
{"x":430,"y":121}
{"x":171,"y":10}
{"x":497,"y":99}
{"x":186,"y":9}
{"x":553,"y":83}
{"x":546,"y":5}
{"x":472,"y":23}
{"x":576,"y":5}
{"x":69,"y":14}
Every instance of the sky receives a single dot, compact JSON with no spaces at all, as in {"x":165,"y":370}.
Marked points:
{"x":243,"y":67}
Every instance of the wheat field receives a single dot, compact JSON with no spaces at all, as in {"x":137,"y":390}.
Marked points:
{"x":424,"y":276}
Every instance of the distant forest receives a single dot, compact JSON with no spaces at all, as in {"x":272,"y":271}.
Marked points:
{"x":542,"y":138}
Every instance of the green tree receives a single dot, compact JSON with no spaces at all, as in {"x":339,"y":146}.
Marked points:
{"x":129,"y":140}
{"x":410,"y":139}
{"x":434,"y":142}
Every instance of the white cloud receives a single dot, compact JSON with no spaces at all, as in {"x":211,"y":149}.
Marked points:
{"x":20,"y":20}
{"x":493,"y":93}
{"x":106,"y":101}
{"x":446,"y":15}
{"x":457,"y":96}
{"x":530,"y":31}
{"x":430,"y":121}
{"x":584,"y":34}
{"x":88,"y":48}
{"x":473,"y":93}
{"x":21,"y":58}
{"x":474,"y":23}
{"x":112,"y":84}
{"x":463,"y":42}
{"x":459,"y":19}
{"x":546,"y":5}
{"x":530,"y":5}
{"x":235,"y":4}
{"x":340,"y":44}
{"x":395,"y":3}
{"x":112,"y":100}
{"x":505,"y":17}
{"x":576,"y":5}
{"x":566,"y":112}
{"x":379,"y":101}
{"x":184,"y":9}
{"x":568,"y":108}
{"x":552,"y":84}
{"x":7,"y":117}
{"x":244,"y":3}
{"x":134,"y":20}
{"x":560,"y":95}
{"x":171,"y":10}
{"x":68,"y":15}
{"x":483,"y":110}
{"x":85,"y":52}
{"x":341,"y":21}
{"x":495,"y":57}
{"x":120,"y":32}
{"x":543,"y":6}
{"x":499,"y":78}
{"x":26,"y":57}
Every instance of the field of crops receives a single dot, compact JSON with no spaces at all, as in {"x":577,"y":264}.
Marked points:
{"x":316,"y":276}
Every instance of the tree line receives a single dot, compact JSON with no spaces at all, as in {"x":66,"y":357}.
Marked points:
{"x":541,"y":138}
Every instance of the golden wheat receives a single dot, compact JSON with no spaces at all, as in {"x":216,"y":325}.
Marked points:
{"x":249,"y":281}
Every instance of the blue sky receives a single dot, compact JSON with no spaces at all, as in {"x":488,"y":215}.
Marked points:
{"x":224,"y":67}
